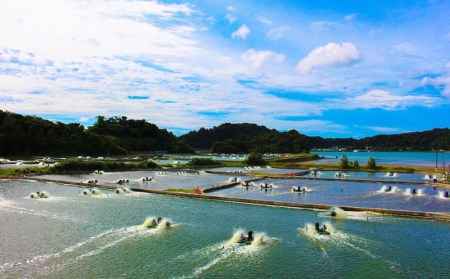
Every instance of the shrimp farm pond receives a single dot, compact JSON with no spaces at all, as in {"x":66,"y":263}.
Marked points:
{"x":107,"y":225}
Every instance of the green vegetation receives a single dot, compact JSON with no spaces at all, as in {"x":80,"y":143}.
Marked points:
{"x":247,"y":138}
{"x":80,"y":165}
{"x":203,"y":162}
{"x":344,"y":163}
{"x":356,"y":164}
{"x":436,"y":139}
{"x":255,"y":159}
{"x":371,"y":163}
{"x":30,"y":135}
{"x":28,"y":170}
{"x":179,"y":190}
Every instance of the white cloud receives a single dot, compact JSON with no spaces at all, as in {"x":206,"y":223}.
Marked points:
{"x":350,"y":17}
{"x":385,"y":129}
{"x":264,"y":20}
{"x":319,"y":26}
{"x":257,"y":60}
{"x":241,"y":33}
{"x":404,"y":48}
{"x":385,"y":100}
{"x":277,"y":33}
{"x":332,"y":54}
{"x":231,"y":18}
{"x":231,"y":9}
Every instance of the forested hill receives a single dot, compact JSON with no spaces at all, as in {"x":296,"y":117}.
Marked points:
{"x":205,"y":138}
{"x":234,"y":138}
{"x":245,"y":138}
{"x":436,"y":139}
{"x":30,"y":135}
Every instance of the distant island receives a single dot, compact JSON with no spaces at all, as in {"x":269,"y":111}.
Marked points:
{"x":30,"y":135}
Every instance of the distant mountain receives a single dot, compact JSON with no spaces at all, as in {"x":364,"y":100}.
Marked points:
{"x":436,"y":139}
{"x":245,"y":138}
{"x":30,"y":135}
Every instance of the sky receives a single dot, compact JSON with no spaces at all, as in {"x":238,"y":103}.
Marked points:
{"x":325,"y":68}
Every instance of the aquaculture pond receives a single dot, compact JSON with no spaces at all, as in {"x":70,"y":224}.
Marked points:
{"x":156,"y":180}
{"x":69,"y":235}
{"x":397,"y":158}
{"x":345,"y":193}
{"x":381,"y":176}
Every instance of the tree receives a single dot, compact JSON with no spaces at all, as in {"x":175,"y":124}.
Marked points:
{"x":371,"y":163}
{"x":344,"y":162}
{"x":255,"y":159}
{"x":356,"y":164}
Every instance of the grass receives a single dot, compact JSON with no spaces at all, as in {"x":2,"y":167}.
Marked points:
{"x":179,"y":190}
{"x":27,"y":170}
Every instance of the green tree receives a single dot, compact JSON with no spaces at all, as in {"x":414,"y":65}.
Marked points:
{"x":371,"y":163}
{"x":344,"y":164}
{"x":356,"y":164}
{"x":255,"y":159}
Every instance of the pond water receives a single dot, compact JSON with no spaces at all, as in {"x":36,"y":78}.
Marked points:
{"x":398,"y":158}
{"x":74,"y":236}
{"x":381,"y":176}
{"x":344,"y":193}
{"x":161,"y":180}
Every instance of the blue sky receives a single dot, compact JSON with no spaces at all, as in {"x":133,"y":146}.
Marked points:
{"x":328,"y":68}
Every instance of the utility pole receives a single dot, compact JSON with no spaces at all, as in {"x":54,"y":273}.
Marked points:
{"x":435,"y":169}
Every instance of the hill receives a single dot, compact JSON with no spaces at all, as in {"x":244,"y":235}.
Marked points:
{"x":30,"y":135}
{"x":436,"y":139}
{"x":246,"y":138}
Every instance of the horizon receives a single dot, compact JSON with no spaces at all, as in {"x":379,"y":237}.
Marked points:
{"x":336,"y":70}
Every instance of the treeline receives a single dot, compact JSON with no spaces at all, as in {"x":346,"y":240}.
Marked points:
{"x":30,"y":135}
{"x":436,"y":139}
{"x":247,"y":138}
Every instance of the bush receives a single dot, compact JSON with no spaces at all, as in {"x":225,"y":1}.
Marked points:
{"x":344,"y":164}
{"x":202,"y":162}
{"x":255,"y":159}
{"x":371,"y":163}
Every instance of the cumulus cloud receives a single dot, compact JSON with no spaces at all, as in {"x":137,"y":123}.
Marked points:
{"x":241,"y":33}
{"x":277,"y":33}
{"x":332,"y":54}
{"x":257,"y":60}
